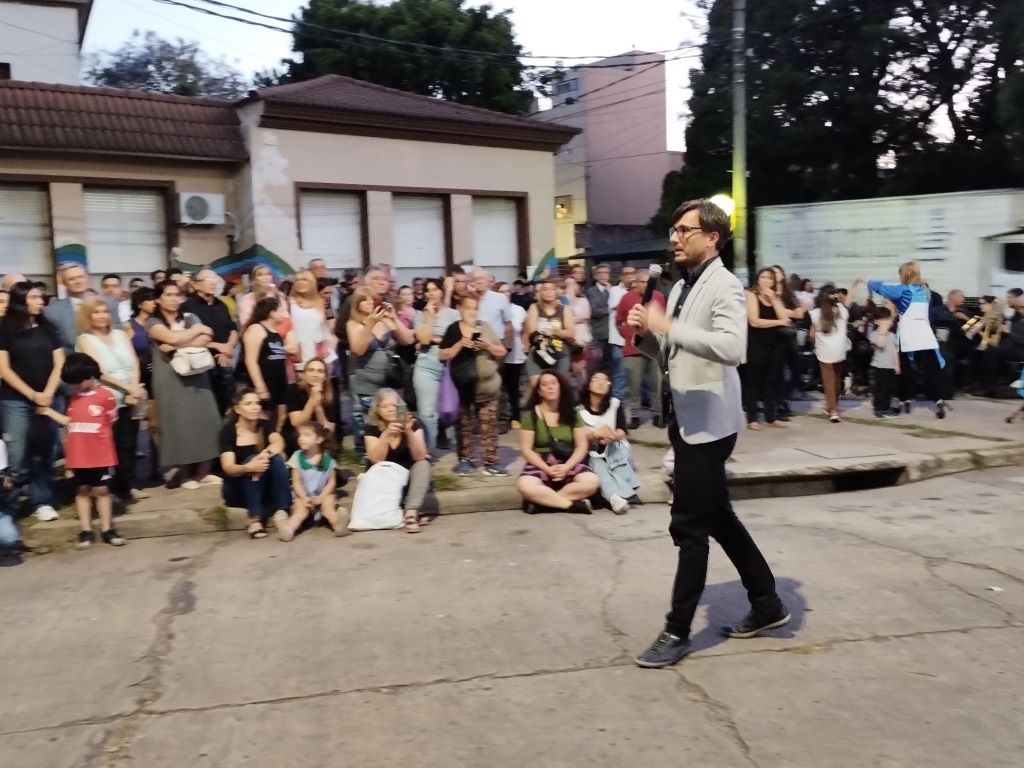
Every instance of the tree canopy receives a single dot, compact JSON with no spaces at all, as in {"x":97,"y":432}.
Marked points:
{"x":431,"y":53}
{"x":860,"y":98}
{"x":147,"y":62}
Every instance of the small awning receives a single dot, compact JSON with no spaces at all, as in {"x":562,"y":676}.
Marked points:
{"x":653,"y":248}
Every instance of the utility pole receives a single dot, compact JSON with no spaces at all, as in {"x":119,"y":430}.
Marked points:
{"x":739,"y":132}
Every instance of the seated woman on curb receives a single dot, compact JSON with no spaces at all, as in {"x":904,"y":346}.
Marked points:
{"x":605,"y":421}
{"x":393,"y":434}
{"x":255,"y":475}
{"x":554,"y":443}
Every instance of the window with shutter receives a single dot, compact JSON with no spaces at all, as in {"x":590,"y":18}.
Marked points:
{"x":26,"y":245}
{"x":125,"y":231}
{"x":496,"y":236}
{"x":418,"y":231}
{"x":331,"y":228}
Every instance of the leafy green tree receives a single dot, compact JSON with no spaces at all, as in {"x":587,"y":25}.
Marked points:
{"x":496,"y":80}
{"x":147,"y":62}
{"x":859,"y":99}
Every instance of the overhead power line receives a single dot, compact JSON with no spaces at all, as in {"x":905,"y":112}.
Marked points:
{"x":445,"y":49}
{"x":366,"y":41}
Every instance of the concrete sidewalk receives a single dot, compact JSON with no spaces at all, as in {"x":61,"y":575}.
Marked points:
{"x":812,"y":456}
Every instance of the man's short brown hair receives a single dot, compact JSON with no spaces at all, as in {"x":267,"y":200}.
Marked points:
{"x":711,"y":218}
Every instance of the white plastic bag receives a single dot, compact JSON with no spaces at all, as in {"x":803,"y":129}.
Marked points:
{"x":377,"y":505}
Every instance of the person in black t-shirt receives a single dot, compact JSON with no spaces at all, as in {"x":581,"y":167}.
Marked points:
{"x":251,"y":455}
{"x":264,"y":358}
{"x":207,"y":306}
{"x":31,"y":357}
{"x":309,"y":400}
{"x":394,"y":434}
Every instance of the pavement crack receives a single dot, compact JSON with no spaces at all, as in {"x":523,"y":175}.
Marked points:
{"x":719,"y":710}
{"x":116,"y":744}
{"x":399,"y":688}
{"x":825,"y":645}
{"x":619,"y":637}
{"x":931,"y":562}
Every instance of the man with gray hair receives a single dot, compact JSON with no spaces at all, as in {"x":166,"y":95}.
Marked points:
{"x":62,"y":312}
{"x":205,"y":304}
{"x":376,"y":281}
{"x":493,"y":308}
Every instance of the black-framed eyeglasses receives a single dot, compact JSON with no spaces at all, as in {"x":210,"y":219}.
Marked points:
{"x":682,"y":230}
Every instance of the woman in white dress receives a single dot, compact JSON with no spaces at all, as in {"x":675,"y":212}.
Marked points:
{"x":828,"y":333}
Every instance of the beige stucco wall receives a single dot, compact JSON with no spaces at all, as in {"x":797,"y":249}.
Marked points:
{"x":282,"y":158}
{"x":199,"y":245}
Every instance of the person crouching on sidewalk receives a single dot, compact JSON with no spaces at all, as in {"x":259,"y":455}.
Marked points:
{"x":89,"y":446}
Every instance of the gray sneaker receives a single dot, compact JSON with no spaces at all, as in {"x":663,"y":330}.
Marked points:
{"x":495,"y":470}
{"x":666,"y":650}
{"x":464,"y":467}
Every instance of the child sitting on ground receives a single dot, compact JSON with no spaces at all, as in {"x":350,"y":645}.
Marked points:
{"x":313,"y":482}
{"x":89,"y":446}
{"x":885,"y":363}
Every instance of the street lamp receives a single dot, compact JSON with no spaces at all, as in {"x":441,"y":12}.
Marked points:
{"x":726,"y":203}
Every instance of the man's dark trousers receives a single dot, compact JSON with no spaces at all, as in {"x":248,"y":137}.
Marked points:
{"x":701,"y":508}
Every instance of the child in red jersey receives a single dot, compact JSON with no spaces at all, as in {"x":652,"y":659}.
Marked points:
{"x":89,"y":446}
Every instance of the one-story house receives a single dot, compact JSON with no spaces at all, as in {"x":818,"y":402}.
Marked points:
{"x":334,"y":168}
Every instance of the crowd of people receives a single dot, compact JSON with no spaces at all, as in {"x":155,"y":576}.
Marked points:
{"x":246,"y":388}
{"x":899,"y":341}
{"x":243,"y":386}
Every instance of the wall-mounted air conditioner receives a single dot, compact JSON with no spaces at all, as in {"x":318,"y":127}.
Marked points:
{"x":200,"y":208}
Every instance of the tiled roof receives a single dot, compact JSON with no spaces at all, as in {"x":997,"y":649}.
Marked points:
{"x":105,"y":121}
{"x":337,"y":93}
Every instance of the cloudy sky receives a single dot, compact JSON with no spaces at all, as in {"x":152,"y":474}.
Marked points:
{"x":566,"y":28}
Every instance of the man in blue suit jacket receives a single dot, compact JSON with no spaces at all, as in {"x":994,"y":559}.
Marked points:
{"x":62,"y":312}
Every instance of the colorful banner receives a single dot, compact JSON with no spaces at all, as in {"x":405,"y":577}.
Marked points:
{"x":546,"y":267}
{"x":235,"y":266}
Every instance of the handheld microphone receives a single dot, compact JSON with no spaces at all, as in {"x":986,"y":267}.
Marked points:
{"x":653,"y":273}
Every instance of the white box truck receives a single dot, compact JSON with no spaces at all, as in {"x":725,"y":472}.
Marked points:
{"x":973,"y":241}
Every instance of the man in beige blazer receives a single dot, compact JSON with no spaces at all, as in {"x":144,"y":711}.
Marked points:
{"x":701,"y":340}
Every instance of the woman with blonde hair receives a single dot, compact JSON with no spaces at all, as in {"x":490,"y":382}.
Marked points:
{"x":120,"y":373}
{"x":261,"y":283}
{"x":309,"y":321}
{"x":919,"y":349}
{"x":549,"y":327}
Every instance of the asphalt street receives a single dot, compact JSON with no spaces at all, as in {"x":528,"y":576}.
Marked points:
{"x":500,"y":639}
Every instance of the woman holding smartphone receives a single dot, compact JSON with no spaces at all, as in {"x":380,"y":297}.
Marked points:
{"x":475,"y":354}
{"x":393,"y":434}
